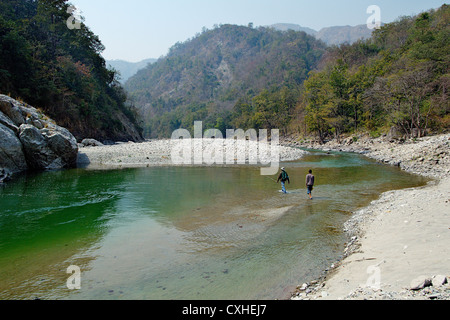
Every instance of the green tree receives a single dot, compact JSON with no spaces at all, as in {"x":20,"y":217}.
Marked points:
{"x":318,"y":106}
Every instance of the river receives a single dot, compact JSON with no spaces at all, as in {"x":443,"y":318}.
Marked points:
{"x":183,"y":233}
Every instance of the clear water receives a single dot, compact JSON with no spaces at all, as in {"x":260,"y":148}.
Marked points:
{"x":181,"y":233}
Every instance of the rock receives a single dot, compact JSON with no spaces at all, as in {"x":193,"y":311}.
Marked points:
{"x":5,"y":176}
{"x":48,"y":149}
{"x":29,"y":112}
{"x":12,"y":156}
{"x":303,"y":287}
{"x":420,"y":283}
{"x":36,"y":123}
{"x":11,"y":109}
{"x":4,"y":120}
{"x":439,"y":280}
{"x":91,"y":143}
{"x":394,"y":134}
{"x":36,"y":148}
{"x":63,"y":144}
{"x":31,"y":140}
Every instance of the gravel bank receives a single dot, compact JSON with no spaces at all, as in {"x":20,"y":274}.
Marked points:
{"x":398,"y":246}
{"x":428,"y":156}
{"x":159,"y":153}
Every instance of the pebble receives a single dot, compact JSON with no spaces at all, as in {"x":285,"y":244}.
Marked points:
{"x":420,"y":283}
{"x":438,"y":280}
{"x":303,"y":287}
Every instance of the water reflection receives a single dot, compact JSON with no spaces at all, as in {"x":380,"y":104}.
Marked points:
{"x":45,"y":220}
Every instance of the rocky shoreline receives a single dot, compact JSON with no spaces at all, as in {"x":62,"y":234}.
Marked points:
{"x":427,"y":156}
{"x":402,"y":238}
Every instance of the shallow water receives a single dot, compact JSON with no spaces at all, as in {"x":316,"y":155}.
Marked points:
{"x":181,"y":233}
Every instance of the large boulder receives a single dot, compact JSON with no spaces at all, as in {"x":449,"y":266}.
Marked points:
{"x":48,"y":149}
{"x":31,"y":140}
{"x":38,"y":155}
{"x":12,"y":156}
{"x":63,"y":144}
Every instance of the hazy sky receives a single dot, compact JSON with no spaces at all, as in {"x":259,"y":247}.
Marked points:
{"x":134,"y":30}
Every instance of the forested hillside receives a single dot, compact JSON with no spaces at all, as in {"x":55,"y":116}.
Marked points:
{"x":398,"y":80}
{"x":60,"y":70}
{"x":231,"y":76}
{"x":240,"y":77}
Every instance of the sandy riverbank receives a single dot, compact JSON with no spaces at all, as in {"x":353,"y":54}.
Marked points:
{"x":399,"y":240}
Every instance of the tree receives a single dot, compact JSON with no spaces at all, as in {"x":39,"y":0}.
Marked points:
{"x":408,"y":91}
{"x":318,"y":105}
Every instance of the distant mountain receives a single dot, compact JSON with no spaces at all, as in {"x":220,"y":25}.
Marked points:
{"x":331,"y":35}
{"x":204,"y":78}
{"x":295,"y":27}
{"x":128,"y":69}
{"x":344,"y":34}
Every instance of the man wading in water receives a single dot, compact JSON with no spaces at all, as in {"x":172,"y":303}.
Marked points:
{"x":283,"y":177}
{"x":310,"y":183}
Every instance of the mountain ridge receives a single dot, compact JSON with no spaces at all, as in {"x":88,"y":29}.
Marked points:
{"x":204,"y":78}
{"x":396,"y":80}
{"x":334,"y":35}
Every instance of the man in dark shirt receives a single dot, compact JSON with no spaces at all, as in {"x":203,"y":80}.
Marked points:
{"x":283,"y":178}
{"x":310,"y":180}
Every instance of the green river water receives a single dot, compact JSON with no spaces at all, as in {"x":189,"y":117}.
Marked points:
{"x":181,"y":233}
